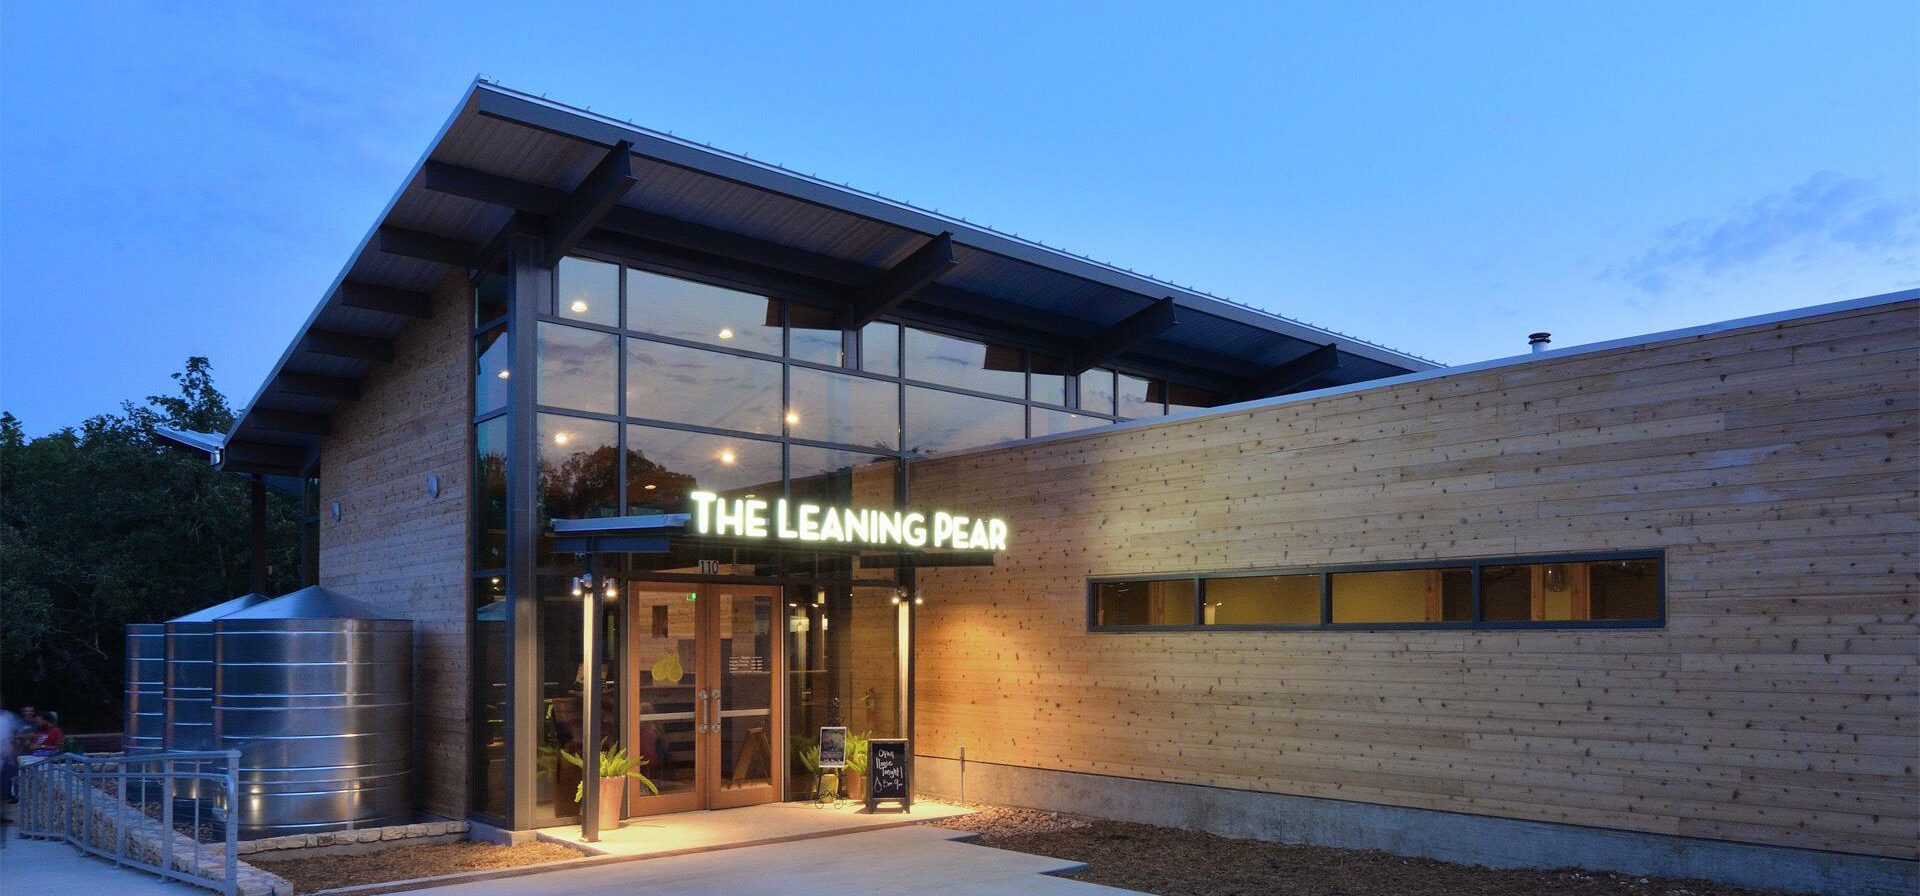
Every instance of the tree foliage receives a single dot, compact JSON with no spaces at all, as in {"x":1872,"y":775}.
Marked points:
{"x":102,"y":526}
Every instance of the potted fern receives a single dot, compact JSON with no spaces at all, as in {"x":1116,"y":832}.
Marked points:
{"x":856,"y":771}
{"x":615,"y":768}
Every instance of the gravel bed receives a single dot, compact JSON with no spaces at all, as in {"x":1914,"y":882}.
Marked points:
{"x":1176,"y":862}
{"x":408,"y":862}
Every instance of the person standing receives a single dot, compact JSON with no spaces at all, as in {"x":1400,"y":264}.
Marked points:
{"x":11,"y":728}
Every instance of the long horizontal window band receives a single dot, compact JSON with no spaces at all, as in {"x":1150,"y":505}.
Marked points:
{"x":1611,"y":590}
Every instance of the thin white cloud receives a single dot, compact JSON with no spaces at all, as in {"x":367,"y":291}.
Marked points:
{"x":1824,"y":215}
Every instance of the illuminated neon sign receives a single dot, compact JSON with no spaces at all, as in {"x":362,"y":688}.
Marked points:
{"x":755,"y":518}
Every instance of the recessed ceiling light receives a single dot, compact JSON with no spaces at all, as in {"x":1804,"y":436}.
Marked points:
{"x":726,"y":456}
{"x":651,"y":486}
{"x":503,"y":374}
{"x":561,"y":438}
{"x":578,"y":307}
{"x":793,"y":418}
{"x":726,"y":332}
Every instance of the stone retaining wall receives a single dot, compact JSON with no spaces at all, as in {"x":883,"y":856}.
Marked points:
{"x":363,"y":840}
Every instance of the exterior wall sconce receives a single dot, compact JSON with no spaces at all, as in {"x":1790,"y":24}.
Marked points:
{"x":433,"y":485}
{"x":335,"y":509}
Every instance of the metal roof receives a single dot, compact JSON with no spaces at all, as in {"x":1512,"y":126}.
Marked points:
{"x":506,"y":159}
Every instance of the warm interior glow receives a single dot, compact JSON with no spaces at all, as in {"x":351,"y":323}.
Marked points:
{"x":726,"y":332}
{"x":579,"y":306}
{"x":561,"y":438}
{"x":651,"y":486}
{"x":726,"y":455}
{"x":503,"y":374}
{"x":793,"y":418}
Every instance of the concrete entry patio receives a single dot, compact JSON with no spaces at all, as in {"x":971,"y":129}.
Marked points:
{"x":913,"y":859}
{"x":705,"y":831}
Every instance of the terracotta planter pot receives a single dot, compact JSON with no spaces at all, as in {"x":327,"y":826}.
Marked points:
{"x":613,"y":799}
{"x":856,"y":785}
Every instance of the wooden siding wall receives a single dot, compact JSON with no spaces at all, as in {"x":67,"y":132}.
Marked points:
{"x":400,"y":549}
{"x":1776,"y":465}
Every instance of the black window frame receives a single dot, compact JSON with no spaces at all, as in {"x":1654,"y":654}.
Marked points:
{"x":1326,"y":573}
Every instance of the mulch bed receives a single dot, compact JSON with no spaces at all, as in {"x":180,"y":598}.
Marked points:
{"x":1176,"y":862}
{"x":407,"y":862}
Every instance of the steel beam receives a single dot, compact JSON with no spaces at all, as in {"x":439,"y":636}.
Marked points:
{"x":432,"y":247}
{"x":1136,"y":328}
{"x":348,"y":345}
{"x":386,"y":299}
{"x":314,"y":385}
{"x":291,"y":422}
{"x":1292,"y":375}
{"x":901,"y":282}
{"x":591,"y":200}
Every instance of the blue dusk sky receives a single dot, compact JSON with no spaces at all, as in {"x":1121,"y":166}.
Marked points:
{"x":185,"y":178}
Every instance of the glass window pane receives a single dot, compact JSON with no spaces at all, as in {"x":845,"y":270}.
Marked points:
{"x":965,"y":363}
{"x":1623,"y":589}
{"x":1188,"y":398}
{"x":561,"y":695}
{"x":588,"y":290}
{"x":492,"y":654}
{"x":1263,"y":600}
{"x":698,"y":312}
{"x":1154,"y":602}
{"x":490,"y":478}
{"x":1561,"y":592}
{"x":490,"y":371}
{"x":1139,"y":397}
{"x":1043,"y":422}
{"x":1048,"y":382}
{"x":1096,"y":391}
{"x":1506,"y":593}
{"x":813,"y":334}
{"x":944,"y":421}
{"x":490,"y":296}
{"x":665,"y":693}
{"x":579,"y":467}
{"x":664,"y":465}
{"x":841,"y":407}
{"x":579,"y":369}
{"x":689,"y":385}
{"x":836,"y":477}
{"x":1404,"y":595}
{"x":880,"y":348}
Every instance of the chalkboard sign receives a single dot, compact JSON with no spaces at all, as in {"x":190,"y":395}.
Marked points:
{"x":889,"y":773}
{"x":833,"y":747}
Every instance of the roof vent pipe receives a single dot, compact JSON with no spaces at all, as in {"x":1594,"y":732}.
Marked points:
{"x":1538,"y":341}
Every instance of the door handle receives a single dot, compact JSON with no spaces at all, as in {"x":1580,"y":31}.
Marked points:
{"x":713,"y":715}
{"x":699,"y":710}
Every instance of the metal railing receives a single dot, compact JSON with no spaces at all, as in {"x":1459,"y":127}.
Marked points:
{"x":165,"y":813}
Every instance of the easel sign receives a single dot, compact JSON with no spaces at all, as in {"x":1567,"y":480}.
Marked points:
{"x":889,"y":773}
{"x":833,"y":748}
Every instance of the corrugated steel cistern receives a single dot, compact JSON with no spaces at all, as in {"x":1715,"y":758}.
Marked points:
{"x":316,"y":692}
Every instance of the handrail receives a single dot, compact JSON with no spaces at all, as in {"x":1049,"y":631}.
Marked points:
{"x":66,"y":797}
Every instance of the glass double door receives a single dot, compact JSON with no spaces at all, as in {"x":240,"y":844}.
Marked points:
{"x":703,"y":698}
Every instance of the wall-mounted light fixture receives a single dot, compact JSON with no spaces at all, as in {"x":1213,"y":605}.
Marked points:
{"x":433,"y":485}
{"x":336,"y":511}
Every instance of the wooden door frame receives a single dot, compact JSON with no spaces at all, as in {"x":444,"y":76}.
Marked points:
{"x":707,"y":792}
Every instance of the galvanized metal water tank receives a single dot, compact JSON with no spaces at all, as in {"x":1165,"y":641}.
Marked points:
{"x":145,"y":728}
{"x":316,"y":692}
{"x":189,"y":653}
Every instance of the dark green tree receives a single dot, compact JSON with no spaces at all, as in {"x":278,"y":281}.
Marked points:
{"x":102,"y":526}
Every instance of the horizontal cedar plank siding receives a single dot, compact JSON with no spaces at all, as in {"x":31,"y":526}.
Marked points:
{"x":1776,"y":465}
{"x":398,"y":548}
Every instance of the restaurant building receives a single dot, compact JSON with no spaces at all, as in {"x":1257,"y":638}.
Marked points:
{"x":748,"y":453}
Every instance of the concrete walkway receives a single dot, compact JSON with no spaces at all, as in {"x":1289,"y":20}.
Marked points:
{"x":749,"y":826}
{"x":901,"y":861}
{"x":49,"y":867}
